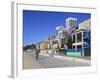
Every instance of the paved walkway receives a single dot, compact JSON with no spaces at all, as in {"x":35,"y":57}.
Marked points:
{"x":45,"y":61}
{"x":29,"y":62}
{"x":75,"y":59}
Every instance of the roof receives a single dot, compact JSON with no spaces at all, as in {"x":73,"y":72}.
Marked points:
{"x":78,"y":30}
{"x":71,"y":18}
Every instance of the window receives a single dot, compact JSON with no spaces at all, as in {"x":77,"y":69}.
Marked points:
{"x":73,"y":38}
{"x":79,"y":47}
{"x":79,"y":37}
{"x":73,"y":47}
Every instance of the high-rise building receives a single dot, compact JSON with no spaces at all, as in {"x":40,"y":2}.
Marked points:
{"x":71,"y":22}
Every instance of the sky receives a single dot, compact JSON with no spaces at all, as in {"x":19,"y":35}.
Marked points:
{"x":38,"y":25}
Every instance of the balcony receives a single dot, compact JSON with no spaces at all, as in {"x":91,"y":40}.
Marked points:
{"x":87,"y":45}
{"x":87,"y":35}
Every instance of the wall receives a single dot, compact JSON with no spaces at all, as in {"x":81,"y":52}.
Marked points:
{"x":77,"y":54}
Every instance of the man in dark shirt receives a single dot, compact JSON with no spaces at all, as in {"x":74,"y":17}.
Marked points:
{"x":37,"y":53}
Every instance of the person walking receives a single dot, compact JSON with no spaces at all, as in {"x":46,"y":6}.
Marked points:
{"x":37,"y":53}
{"x":65,"y":49}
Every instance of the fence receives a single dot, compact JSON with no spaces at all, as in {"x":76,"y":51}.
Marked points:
{"x":74,"y":52}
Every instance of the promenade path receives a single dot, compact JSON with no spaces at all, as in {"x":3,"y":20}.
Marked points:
{"x":45,"y":61}
{"x":29,"y":62}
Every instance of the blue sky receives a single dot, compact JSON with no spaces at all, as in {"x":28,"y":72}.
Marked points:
{"x":38,"y":25}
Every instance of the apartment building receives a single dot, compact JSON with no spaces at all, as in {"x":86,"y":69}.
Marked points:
{"x":82,"y":38}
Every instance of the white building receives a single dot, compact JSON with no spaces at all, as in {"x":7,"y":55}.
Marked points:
{"x":81,"y":37}
{"x":61,"y":35}
{"x":71,"y":22}
{"x":86,"y":25}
